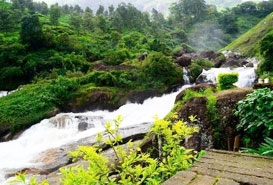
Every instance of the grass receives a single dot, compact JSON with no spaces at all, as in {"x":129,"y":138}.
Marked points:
{"x":25,"y":107}
{"x":249,"y":43}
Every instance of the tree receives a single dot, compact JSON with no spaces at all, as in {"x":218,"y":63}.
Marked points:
{"x":100,"y":10}
{"x":18,"y":4}
{"x":31,"y":32}
{"x":111,"y":10}
{"x":7,"y":20}
{"x":78,"y":9}
{"x":76,"y":21}
{"x":87,"y":21}
{"x":41,"y":8}
{"x":54,"y":14}
{"x":188,"y":11}
{"x":127,"y":16}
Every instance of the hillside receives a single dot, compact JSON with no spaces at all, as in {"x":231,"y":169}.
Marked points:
{"x":248,"y":43}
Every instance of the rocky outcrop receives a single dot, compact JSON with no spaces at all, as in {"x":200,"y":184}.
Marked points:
{"x":224,"y":59}
{"x":216,"y":128}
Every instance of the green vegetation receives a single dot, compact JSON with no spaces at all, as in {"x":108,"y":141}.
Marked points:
{"x":133,"y":166}
{"x":32,"y":103}
{"x":266,"y":51}
{"x":198,"y":65}
{"x":255,"y":113}
{"x":265,"y":148}
{"x":249,"y":43}
{"x":36,"y":39}
{"x":226,"y":80}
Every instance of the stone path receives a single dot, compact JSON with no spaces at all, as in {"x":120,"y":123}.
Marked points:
{"x":219,"y":167}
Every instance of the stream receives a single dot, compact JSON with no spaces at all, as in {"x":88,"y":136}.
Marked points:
{"x":62,"y":129}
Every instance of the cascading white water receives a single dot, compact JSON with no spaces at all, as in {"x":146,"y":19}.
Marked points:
{"x":63,"y":128}
{"x":3,"y":93}
{"x":247,"y":75}
{"x":186,"y":76}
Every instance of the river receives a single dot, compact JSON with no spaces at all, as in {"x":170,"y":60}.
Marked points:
{"x":63,"y":128}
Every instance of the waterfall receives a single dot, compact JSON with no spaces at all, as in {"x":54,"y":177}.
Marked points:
{"x":186,"y":75}
{"x":246,"y":78}
{"x":3,"y":93}
{"x":64,"y":128}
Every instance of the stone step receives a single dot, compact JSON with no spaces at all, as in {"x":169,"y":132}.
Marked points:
{"x":218,"y":167}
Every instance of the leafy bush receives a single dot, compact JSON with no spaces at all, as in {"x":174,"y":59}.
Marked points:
{"x":133,"y":166}
{"x":11,"y":77}
{"x":117,"y":57}
{"x":226,"y":80}
{"x":159,"y":69}
{"x":62,"y":90}
{"x":198,"y":65}
{"x":265,"y":148}
{"x":255,"y":113}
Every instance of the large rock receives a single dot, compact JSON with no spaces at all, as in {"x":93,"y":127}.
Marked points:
{"x":184,"y":61}
{"x":208,"y":54}
{"x":214,"y":133}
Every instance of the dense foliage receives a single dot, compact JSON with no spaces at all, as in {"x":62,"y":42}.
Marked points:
{"x":255,"y":113}
{"x":37,"y":40}
{"x":266,"y":51}
{"x":227,"y":80}
{"x":30,"y":104}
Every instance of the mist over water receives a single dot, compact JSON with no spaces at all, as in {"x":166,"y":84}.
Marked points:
{"x":207,"y":36}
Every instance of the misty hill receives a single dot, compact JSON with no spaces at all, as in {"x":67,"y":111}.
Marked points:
{"x":143,"y":5}
{"x":249,"y":43}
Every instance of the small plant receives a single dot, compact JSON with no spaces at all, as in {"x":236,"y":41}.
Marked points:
{"x":226,"y":80}
{"x":133,"y":166}
{"x":265,"y":148}
{"x":21,"y":178}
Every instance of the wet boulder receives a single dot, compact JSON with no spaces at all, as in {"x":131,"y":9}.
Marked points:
{"x":82,"y":126}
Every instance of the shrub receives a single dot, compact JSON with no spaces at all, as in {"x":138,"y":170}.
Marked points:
{"x":197,"y":67}
{"x":62,"y":90}
{"x":226,"y":80}
{"x":255,"y":113}
{"x":159,"y":69}
{"x":265,"y":148}
{"x":117,"y":57}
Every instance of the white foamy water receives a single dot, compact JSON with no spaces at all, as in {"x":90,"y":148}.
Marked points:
{"x":63,"y":129}
{"x":3,"y":93}
{"x":247,"y":75}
